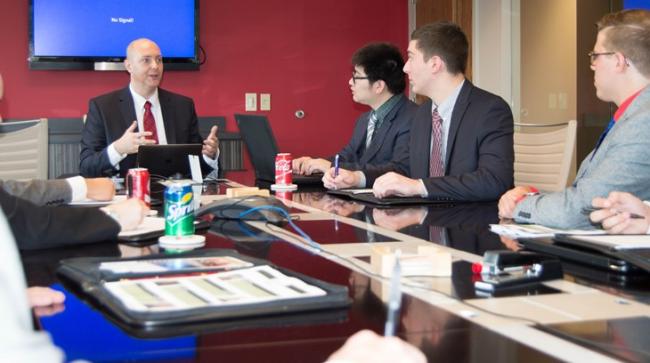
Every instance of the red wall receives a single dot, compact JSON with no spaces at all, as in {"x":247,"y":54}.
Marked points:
{"x":297,"y":50}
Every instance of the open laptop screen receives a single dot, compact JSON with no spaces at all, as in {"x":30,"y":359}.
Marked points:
{"x":167,"y":160}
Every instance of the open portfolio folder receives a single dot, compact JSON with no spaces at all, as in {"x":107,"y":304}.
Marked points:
{"x":618,"y":253}
{"x":367,"y":196}
{"x":535,"y":231}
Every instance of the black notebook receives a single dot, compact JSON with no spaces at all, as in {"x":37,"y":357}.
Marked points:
{"x":575,"y":248}
{"x":207,"y":285}
{"x":368,"y":197}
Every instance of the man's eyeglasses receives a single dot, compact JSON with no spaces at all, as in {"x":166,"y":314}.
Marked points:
{"x":594,"y":55}
{"x":356,"y":78}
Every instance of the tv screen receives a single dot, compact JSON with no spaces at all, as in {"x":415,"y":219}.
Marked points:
{"x":76,"y":34}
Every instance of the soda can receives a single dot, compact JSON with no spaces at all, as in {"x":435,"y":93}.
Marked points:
{"x":179,"y":210}
{"x":283,"y":169}
{"x":137,"y":185}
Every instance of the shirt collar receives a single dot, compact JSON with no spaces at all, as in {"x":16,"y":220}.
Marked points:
{"x":382,"y":111}
{"x":621,"y":110}
{"x":139,"y":101}
{"x":447,"y":106}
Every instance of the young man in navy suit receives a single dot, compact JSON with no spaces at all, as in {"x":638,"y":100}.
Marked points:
{"x":383,"y":132}
{"x":461,"y":146}
{"x":140,"y":114}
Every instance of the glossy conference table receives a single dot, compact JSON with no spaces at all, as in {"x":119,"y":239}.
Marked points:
{"x":444,"y":317}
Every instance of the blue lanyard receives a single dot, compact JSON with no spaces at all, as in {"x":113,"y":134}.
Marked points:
{"x":602,"y":137}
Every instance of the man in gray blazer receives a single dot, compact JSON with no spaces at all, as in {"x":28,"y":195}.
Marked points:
{"x":621,"y":158}
{"x":60,"y":191}
{"x":381,"y":133}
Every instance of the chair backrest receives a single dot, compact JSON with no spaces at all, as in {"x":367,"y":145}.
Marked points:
{"x":545,"y":159}
{"x":257,"y":134}
{"x":23,"y":149}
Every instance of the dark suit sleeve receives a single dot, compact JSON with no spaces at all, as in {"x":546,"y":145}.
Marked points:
{"x":36,"y":227}
{"x":348,"y":156}
{"x":399,"y":162}
{"x":493,"y":175}
{"x":94,"y":160}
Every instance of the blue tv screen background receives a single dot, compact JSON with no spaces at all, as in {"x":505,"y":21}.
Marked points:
{"x":96,"y":28}
{"x":636,"y":4}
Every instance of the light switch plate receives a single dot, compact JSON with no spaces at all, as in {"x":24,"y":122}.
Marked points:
{"x":265,"y":102}
{"x":251,"y":101}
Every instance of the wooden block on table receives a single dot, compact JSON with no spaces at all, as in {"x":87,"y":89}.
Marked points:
{"x":429,"y":261}
{"x":246,"y":191}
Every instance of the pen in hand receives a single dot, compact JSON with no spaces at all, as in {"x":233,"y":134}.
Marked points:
{"x":336,"y":165}
{"x":588,"y":210}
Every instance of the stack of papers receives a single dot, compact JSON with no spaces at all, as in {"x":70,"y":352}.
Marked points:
{"x":537,"y":231}
{"x":91,"y":202}
{"x":148,"y":225}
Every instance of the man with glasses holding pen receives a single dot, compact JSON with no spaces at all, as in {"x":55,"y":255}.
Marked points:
{"x":383,"y":132}
{"x":620,"y":160}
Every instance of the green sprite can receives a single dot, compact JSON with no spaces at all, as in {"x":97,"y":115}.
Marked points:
{"x":179,"y":210}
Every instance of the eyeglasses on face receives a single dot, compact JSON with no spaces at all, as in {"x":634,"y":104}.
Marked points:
{"x":594,"y":55}
{"x":355,"y":78}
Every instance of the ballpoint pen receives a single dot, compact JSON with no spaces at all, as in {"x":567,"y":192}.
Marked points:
{"x":336,"y":165}
{"x":588,"y":210}
{"x":394,"y":298}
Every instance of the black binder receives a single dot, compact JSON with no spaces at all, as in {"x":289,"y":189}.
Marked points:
{"x":569,"y":248}
{"x":391,"y":201}
{"x":85,"y":278}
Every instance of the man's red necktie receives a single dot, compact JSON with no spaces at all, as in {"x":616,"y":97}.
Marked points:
{"x":149,"y":122}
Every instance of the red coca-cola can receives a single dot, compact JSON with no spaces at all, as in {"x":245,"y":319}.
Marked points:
{"x":283,"y":169}
{"x":137,"y":185}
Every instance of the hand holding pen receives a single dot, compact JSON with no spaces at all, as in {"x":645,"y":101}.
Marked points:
{"x":588,"y":210}
{"x":621,"y":213}
{"x":336,"y":165}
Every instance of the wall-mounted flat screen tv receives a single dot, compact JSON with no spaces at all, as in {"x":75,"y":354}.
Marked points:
{"x":93,"y":34}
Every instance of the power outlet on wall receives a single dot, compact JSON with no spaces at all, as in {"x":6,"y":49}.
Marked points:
{"x":251,"y":101}
{"x":265,"y":102}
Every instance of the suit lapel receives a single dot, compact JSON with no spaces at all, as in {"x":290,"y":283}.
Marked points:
{"x":378,"y":139}
{"x":127,"y":108}
{"x":168,"y":116}
{"x":421,"y":145}
{"x":456,"y":118}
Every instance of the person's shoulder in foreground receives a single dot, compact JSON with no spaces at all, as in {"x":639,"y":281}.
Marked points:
{"x":20,"y":342}
{"x":368,"y":347}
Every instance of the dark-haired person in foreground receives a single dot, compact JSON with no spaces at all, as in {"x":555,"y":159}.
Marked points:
{"x":461,"y":140}
{"x":383,"y":132}
{"x":621,"y":158}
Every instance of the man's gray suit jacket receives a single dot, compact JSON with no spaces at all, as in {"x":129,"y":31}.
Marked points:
{"x":621,"y":163}
{"x":39,"y":192}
